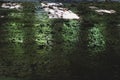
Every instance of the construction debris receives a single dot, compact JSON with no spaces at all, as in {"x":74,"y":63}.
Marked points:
{"x":102,"y":11}
{"x":11,"y":5}
{"x":105,"y":11}
{"x":93,"y":7}
{"x":55,"y":10}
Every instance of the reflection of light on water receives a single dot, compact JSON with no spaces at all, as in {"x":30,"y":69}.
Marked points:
{"x":96,"y":39}
{"x":43,"y":35}
{"x":15,"y":34}
{"x":42,"y":29}
{"x":70,"y":33}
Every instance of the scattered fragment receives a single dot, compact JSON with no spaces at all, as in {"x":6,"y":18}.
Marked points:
{"x":11,"y":5}
{"x":55,"y":10}
{"x":118,"y":25}
{"x":93,"y":7}
{"x":105,"y":11}
{"x":101,"y":11}
{"x":2,"y":16}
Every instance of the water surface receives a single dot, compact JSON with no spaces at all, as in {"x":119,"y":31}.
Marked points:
{"x":33,"y":47}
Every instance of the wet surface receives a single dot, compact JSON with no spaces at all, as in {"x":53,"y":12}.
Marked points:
{"x":33,"y":47}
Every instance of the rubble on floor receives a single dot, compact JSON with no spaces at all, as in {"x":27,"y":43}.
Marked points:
{"x":11,"y":5}
{"x":55,"y":10}
{"x":102,"y":11}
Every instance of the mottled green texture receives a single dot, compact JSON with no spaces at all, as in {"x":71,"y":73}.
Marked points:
{"x":34,"y":47}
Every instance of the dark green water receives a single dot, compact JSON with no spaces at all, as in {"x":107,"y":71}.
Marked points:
{"x":32,"y":47}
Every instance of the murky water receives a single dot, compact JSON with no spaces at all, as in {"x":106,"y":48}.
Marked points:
{"x":34,"y":47}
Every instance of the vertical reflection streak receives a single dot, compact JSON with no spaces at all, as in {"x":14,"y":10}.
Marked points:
{"x":15,"y":32}
{"x":13,"y":49}
{"x":42,"y":30}
{"x":70,"y":35}
{"x":96,"y":39}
